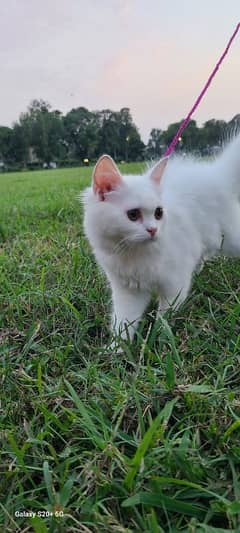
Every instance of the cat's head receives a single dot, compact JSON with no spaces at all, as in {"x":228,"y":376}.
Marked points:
{"x":122,"y":212}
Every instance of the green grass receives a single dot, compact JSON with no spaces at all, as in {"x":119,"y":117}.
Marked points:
{"x":143,"y":442}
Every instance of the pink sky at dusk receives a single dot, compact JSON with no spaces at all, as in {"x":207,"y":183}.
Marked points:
{"x":153,"y":57}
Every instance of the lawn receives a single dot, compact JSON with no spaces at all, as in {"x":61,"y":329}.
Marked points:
{"x":147,"y":441}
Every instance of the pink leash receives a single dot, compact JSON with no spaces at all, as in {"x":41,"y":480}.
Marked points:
{"x":205,"y":88}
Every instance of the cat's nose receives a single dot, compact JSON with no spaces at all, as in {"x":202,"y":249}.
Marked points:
{"x":152,"y":231}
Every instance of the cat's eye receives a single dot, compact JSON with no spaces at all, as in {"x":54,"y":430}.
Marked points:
{"x":134,"y":214}
{"x":158,"y":213}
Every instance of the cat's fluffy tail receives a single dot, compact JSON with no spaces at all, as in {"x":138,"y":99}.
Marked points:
{"x":230,"y":163}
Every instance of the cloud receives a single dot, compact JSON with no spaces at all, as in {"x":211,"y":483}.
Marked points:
{"x":143,"y":78}
{"x":159,"y":79}
{"x":115,"y":54}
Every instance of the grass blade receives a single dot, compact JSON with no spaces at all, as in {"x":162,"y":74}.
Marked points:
{"x":169,"y":503}
{"x":155,"y":430}
{"x":48,"y":482}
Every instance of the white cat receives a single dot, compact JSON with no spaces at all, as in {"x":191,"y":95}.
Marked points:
{"x":150,"y":232}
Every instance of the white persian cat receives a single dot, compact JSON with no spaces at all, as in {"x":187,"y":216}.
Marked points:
{"x":150,"y":232}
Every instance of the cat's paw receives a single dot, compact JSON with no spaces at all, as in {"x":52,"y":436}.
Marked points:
{"x":114,"y":347}
{"x":133,"y":284}
{"x":110,"y":349}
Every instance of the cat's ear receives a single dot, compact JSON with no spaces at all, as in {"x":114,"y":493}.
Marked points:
{"x":106,"y":176}
{"x":158,"y":170}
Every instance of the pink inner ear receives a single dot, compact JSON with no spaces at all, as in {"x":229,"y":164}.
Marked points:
{"x":106,"y":176}
{"x":158,"y":170}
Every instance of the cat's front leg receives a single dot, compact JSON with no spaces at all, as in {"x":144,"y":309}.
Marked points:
{"x":174,"y":294}
{"x":128,"y":307}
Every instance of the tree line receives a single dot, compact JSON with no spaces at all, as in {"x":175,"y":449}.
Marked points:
{"x":43,"y":136}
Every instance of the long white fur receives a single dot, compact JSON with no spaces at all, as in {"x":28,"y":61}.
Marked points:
{"x":201,"y":218}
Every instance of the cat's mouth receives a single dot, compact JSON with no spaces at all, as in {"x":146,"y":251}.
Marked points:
{"x":127,"y":244}
{"x":152,"y":238}
{"x":145,"y":241}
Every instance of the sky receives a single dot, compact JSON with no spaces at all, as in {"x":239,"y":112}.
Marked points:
{"x":153,"y":56}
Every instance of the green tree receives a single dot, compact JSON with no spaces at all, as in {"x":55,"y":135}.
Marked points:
{"x":42,"y":130}
{"x":5,"y":143}
{"x":81,"y":133}
{"x":19,"y":146}
{"x":189,"y":140}
{"x":213,"y":132}
{"x":154,"y":146}
{"x":135,"y":146}
{"x":118,"y":135}
{"x":109,"y":133}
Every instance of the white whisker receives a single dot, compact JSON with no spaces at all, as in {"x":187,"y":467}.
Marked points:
{"x":121,"y":246}
{"x":125,"y":244}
